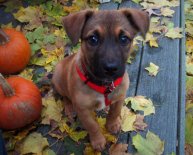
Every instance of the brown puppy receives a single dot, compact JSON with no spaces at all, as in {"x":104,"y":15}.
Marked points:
{"x":96,"y":75}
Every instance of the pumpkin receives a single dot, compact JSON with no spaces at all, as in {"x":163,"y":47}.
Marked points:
{"x":20,"y":102}
{"x":15,"y":51}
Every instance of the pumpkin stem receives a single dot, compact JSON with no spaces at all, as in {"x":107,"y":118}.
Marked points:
{"x":7,"y":89}
{"x":4,"y":38}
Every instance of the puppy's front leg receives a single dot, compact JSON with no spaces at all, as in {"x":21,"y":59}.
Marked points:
{"x":97,"y":139}
{"x":113,"y":123}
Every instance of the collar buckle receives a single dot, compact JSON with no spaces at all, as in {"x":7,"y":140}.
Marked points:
{"x":110,"y":88}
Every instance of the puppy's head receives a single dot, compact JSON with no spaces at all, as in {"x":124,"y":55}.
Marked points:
{"x":106,"y":38}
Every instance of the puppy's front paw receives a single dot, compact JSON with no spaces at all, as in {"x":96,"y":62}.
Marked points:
{"x":98,"y":141}
{"x":113,"y":126}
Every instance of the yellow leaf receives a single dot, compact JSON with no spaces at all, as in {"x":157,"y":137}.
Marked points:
{"x":52,"y":110}
{"x":109,"y":137}
{"x":26,"y":14}
{"x":152,"y":40}
{"x":128,"y":118}
{"x":34,"y":143}
{"x":75,"y":135}
{"x":174,"y":33}
{"x":167,"y":12}
{"x":140,"y":103}
{"x":152,"y":69}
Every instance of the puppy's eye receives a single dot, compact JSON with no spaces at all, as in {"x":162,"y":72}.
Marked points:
{"x":93,"y":40}
{"x":124,"y":40}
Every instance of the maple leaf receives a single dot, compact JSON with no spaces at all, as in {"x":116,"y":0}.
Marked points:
{"x":34,"y":143}
{"x":152,"y":40}
{"x":152,"y":69}
{"x":128,"y":118}
{"x":74,"y":135}
{"x":152,"y":145}
{"x":140,"y":103}
{"x":174,"y":33}
{"x":52,"y":110}
{"x":118,"y":149}
{"x":167,"y":12}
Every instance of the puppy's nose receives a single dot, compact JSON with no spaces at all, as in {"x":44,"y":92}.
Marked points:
{"x":110,"y":68}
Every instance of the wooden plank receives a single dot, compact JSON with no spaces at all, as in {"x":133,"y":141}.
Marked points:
{"x":182,"y":91}
{"x":163,"y":89}
{"x":108,"y":6}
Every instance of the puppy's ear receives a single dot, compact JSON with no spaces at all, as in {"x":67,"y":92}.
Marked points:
{"x":138,"y":19}
{"x":74,"y":23}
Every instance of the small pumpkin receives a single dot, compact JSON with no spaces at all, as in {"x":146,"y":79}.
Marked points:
{"x":20,"y":102}
{"x":15,"y":51}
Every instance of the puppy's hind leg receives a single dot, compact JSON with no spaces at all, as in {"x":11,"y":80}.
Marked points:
{"x":68,"y":109}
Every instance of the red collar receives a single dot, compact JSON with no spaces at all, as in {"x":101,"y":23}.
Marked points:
{"x":104,"y":89}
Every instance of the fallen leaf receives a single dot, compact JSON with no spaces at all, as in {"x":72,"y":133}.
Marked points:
{"x":167,"y":12}
{"x":118,"y":149}
{"x":75,"y":135}
{"x":152,"y":40}
{"x":34,"y":143}
{"x":48,"y":152}
{"x":128,"y":118}
{"x":140,"y":103}
{"x":90,"y":151}
{"x":109,"y":137}
{"x":152,"y":145}
{"x":52,"y":110}
{"x":174,"y":33}
{"x":152,"y":69}
{"x":139,"y":123}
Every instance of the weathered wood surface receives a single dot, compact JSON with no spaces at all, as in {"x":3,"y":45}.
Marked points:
{"x":167,"y":89}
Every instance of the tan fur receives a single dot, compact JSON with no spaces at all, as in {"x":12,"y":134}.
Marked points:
{"x":76,"y":93}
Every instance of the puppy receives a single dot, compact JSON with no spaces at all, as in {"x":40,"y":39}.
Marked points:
{"x":96,"y":76}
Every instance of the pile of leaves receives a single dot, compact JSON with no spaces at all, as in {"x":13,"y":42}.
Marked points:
{"x":189,"y":76}
{"x":40,"y":21}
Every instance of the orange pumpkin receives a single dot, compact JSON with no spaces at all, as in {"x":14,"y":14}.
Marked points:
{"x":20,"y":102}
{"x":15,"y":51}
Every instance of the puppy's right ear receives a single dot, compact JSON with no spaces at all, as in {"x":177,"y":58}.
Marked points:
{"x":74,"y":24}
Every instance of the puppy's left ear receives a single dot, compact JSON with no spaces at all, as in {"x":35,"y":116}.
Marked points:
{"x":138,"y":19}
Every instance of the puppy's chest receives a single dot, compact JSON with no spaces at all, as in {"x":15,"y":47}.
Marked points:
{"x":100,"y":101}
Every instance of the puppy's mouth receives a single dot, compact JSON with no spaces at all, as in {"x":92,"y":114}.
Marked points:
{"x":101,"y":76}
